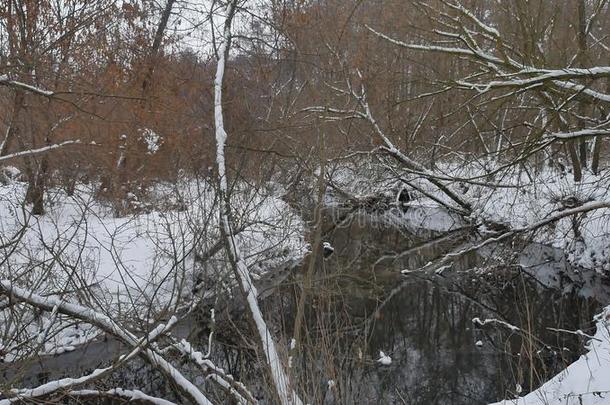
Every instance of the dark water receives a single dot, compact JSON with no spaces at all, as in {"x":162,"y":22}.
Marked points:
{"x":360,"y":305}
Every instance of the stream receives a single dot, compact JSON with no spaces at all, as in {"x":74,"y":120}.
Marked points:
{"x":361,"y":304}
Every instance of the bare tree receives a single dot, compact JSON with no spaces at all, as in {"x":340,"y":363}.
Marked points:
{"x":283,"y":389}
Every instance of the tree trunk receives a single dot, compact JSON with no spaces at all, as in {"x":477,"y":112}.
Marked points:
{"x":282,"y":388}
{"x":576,"y":167}
{"x":597,"y":141}
{"x":13,"y":130}
{"x":316,"y":244}
{"x":595,"y":154}
{"x":36,"y":188}
{"x":156,"y":46}
{"x":582,"y":56}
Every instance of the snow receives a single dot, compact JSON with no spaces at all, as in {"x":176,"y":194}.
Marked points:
{"x":517,"y":201}
{"x":151,"y":139}
{"x":135,"y":263}
{"x":584,"y":382}
{"x":384,"y":359}
{"x":130,"y":395}
{"x":38,"y":151}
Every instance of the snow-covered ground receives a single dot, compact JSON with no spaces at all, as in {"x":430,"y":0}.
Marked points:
{"x":134,"y":265}
{"x":584,"y":382}
{"x":586,"y":238}
{"x":513,"y":196}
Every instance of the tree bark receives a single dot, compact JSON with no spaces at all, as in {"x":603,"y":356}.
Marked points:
{"x":155,"y":47}
{"x":582,"y":55}
{"x":576,"y":167}
{"x":13,"y":129}
{"x":282,"y":388}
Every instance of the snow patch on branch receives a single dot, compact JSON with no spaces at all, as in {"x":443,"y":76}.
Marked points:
{"x":151,"y":139}
{"x":130,"y":395}
{"x":5,"y":81}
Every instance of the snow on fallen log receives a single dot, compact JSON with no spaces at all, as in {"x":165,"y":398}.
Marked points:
{"x":129,"y":395}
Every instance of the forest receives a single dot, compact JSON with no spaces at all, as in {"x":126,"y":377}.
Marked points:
{"x":305,"y":202}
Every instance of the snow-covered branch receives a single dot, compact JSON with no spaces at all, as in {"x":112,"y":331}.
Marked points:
{"x":544,"y":75}
{"x":108,"y":325}
{"x":577,"y":332}
{"x":392,"y":150}
{"x":225,"y":381}
{"x":479,"y":322}
{"x":485,"y":27}
{"x":281,"y":382}
{"x":52,"y":387}
{"x":443,"y":263}
{"x":583,"y":133}
{"x":5,"y":81}
{"x":442,"y":49}
{"x":557,"y":77}
{"x":38,"y":151}
{"x":119,"y":393}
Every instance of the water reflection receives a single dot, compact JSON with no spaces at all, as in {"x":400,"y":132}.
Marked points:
{"x":361,"y":305}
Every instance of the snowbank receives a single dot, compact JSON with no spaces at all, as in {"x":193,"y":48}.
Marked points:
{"x":584,"y":382}
{"x":513,"y":196}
